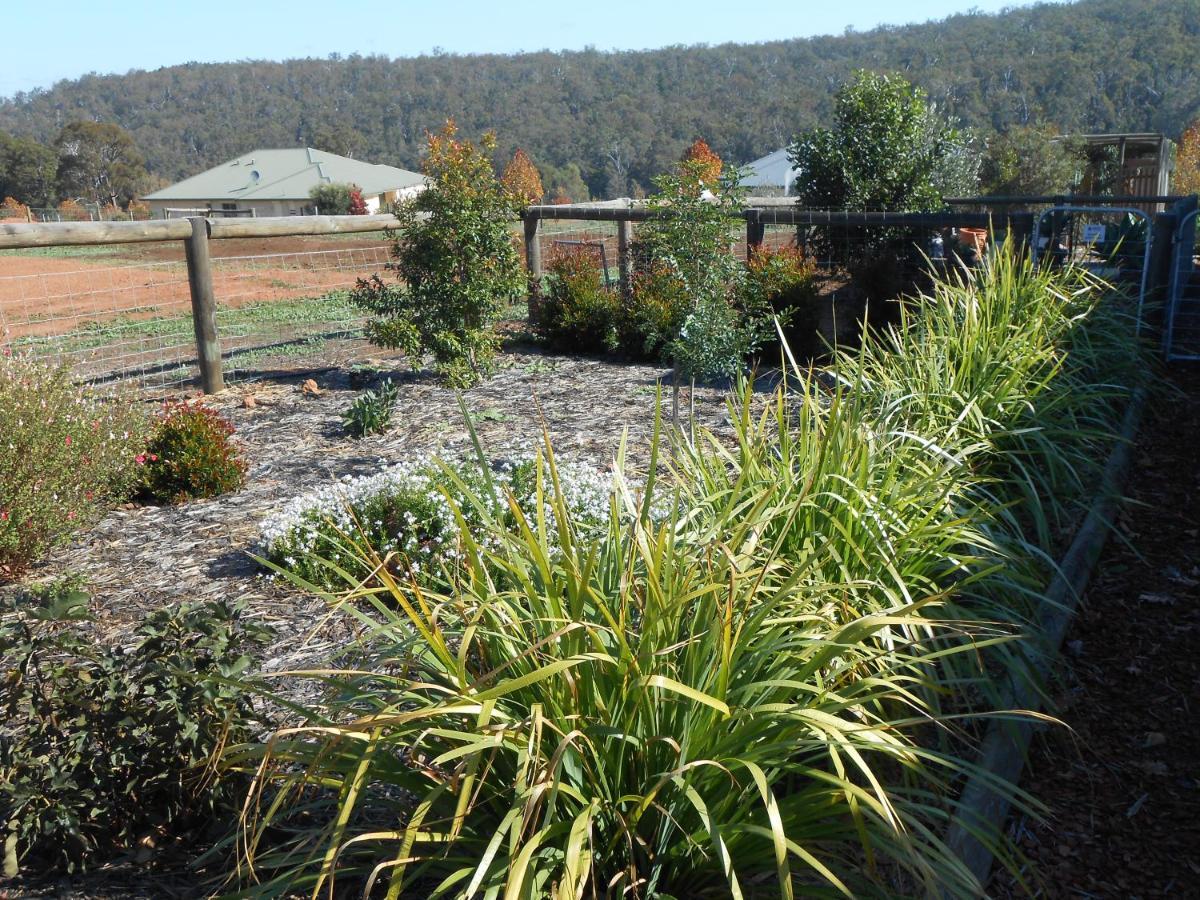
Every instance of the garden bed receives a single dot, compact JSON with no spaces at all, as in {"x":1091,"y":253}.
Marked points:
{"x":140,"y":558}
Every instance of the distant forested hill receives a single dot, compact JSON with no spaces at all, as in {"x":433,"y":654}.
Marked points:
{"x":1095,"y":65}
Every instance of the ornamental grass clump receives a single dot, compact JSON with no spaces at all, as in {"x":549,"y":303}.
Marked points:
{"x":190,"y":456}
{"x":66,"y":454}
{"x":764,"y":673}
{"x":660,"y":709}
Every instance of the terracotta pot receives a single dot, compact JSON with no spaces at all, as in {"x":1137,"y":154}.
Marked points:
{"x":974,"y":237}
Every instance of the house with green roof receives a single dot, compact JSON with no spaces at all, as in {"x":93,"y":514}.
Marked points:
{"x":279,"y":183}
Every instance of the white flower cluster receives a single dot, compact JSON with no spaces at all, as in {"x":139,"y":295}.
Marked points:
{"x":301,"y":520}
{"x":586,"y":491}
{"x":404,"y":509}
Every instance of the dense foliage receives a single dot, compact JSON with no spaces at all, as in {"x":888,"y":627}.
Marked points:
{"x":455,"y":261}
{"x":1092,"y":66}
{"x":190,"y":455}
{"x":106,"y":750}
{"x":522,"y":180}
{"x":887,"y":148}
{"x":98,"y":162}
{"x":1186,"y":179}
{"x":66,"y":453}
{"x":333,"y":199}
{"x":577,"y":312}
{"x":770,"y":687}
{"x":1031,"y":160}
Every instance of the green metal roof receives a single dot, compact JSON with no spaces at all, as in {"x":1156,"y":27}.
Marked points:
{"x":286,"y":175}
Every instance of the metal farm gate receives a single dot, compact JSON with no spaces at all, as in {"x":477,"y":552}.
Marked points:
{"x":1181,"y":326}
{"x":1112,"y":242}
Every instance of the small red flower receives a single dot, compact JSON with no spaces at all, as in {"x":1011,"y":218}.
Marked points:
{"x":68,"y":440}
{"x":140,"y":459}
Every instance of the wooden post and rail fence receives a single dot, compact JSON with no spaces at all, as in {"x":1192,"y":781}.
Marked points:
{"x":196,"y":234}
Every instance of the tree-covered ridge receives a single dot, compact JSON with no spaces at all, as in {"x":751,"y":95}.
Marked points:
{"x":617,"y":119}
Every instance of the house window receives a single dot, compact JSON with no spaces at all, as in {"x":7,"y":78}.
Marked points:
{"x":229,"y":207}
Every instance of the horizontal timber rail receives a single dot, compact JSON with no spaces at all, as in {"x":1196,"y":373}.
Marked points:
{"x":59,"y":234}
{"x":195,"y":233}
{"x":1061,"y":199}
{"x":757,"y":214}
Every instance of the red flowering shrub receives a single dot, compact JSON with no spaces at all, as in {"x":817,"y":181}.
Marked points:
{"x":66,"y":453}
{"x":578,"y":313}
{"x":358,"y":206}
{"x":190,"y":455}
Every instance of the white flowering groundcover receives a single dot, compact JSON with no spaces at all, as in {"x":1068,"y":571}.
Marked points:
{"x":328,"y":537}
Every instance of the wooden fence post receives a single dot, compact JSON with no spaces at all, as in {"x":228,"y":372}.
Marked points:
{"x":533,"y":261}
{"x":204,"y":307}
{"x":533,"y":247}
{"x":625,"y":257}
{"x":756,"y":232}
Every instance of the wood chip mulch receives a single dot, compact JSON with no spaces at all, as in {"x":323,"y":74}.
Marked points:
{"x":1123,"y":782}
{"x":142,"y":557}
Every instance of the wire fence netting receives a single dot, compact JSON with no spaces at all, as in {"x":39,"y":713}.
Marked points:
{"x":113,"y":313}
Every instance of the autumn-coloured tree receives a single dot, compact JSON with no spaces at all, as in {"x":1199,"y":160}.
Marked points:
{"x":522,"y":180}
{"x":14,"y":209}
{"x":560,"y":198}
{"x":138,"y":210}
{"x":358,"y":206}
{"x":706,"y":164}
{"x":1187,"y":161}
{"x":71,"y":211}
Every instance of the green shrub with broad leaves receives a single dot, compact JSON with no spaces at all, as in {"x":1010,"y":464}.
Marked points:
{"x":66,"y":454}
{"x":371,"y":411}
{"x":190,"y":455}
{"x":772,"y":686}
{"x":455,"y":262}
{"x":102,"y":747}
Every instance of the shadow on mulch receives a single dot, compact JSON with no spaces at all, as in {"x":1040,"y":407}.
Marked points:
{"x":1123,"y":784}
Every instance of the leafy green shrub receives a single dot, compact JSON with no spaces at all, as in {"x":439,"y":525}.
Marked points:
{"x":685,"y":304}
{"x":456,"y":263}
{"x":190,"y":455}
{"x":101,"y":746}
{"x":577,"y":312}
{"x":371,"y":411}
{"x":407,"y":514}
{"x":335,"y":199}
{"x":889,"y":148}
{"x":66,"y":453}
{"x":654,"y":313}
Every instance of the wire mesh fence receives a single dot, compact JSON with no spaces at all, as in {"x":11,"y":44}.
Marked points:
{"x":119,"y":314}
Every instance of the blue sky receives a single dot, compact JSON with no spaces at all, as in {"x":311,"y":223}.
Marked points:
{"x":46,"y":40}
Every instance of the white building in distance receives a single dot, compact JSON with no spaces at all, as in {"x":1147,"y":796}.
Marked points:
{"x":278,"y":183}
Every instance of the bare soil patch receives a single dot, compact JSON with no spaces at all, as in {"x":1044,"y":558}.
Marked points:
{"x":50,"y":295}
